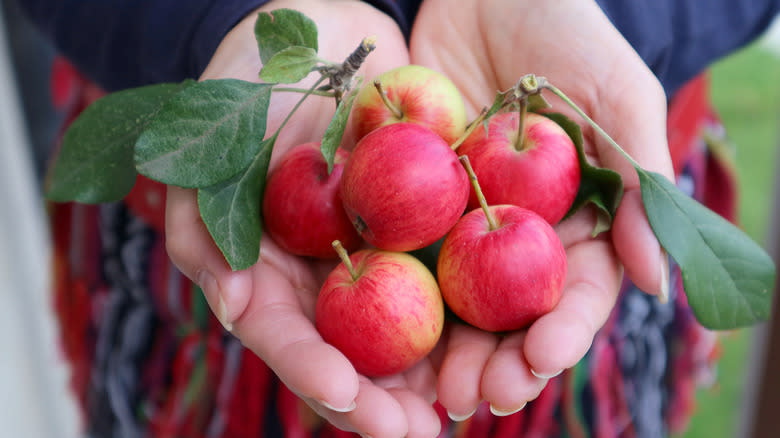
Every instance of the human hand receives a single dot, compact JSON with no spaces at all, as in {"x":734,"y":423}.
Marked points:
{"x":486,"y":46}
{"x":270,"y":306}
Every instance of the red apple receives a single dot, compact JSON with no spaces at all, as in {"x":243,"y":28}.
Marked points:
{"x":501,"y":278}
{"x":382,"y":309}
{"x":415,"y":94}
{"x":302,"y":209}
{"x":403,"y":187}
{"x":541,"y":174}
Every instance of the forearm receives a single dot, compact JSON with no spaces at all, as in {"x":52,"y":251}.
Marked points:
{"x":127,"y":43}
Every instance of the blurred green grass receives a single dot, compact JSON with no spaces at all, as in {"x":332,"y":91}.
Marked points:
{"x":746,"y":94}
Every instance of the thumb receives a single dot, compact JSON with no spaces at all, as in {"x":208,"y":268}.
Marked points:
{"x":636,"y":120}
{"x":191,"y":248}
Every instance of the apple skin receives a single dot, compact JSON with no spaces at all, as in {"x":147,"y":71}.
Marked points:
{"x":543,"y":176}
{"x":403,"y":187}
{"x":302,"y":209}
{"x":504,"y":279}
{"x":424,"y":96}
{"x":385,"y":321}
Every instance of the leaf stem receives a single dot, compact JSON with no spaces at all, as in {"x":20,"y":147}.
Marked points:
{"x":308,"y":92}
{"x":469,"y":129}
{"x":397,"y":113}
{"x":304,"y":90}
{"x":464,"y":159}
{"x":593,"y":124}
{"x":344,"y":256}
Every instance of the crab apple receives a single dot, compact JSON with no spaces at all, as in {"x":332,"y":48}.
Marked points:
{"x":541,"y":174}
{"x":381,"y":309}
{"x":302,"y":209}
{"x":403,"y":187}
{"x":413,"y":94}
{"x":501,"y":277}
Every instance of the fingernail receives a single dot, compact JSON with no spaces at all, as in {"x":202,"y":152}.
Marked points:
{"x":502,"y":413}
{"x":663,"y":293}
{"x":223,"y":314}
{"x":459,"y":418}
{"x":545,"y":376}
{"x":210,"y":287}
{"x":365,"y":435}
{"x":349,"y":408}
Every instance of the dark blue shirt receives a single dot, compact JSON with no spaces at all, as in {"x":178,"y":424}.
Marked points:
{"x":127,"y":43}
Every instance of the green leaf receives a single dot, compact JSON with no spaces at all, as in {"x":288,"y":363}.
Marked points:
{"x":598,"y":186}
{"x":289,"y":65}
{"x":335,"y":132}
{"x":95,"y":163}
{"x":283,"y":28}
{"x":537,"y":102}
{"x":231,"y":211}
{"x":728,"y":278}
{"x":498,"y":104}
{"x":205,"y":134}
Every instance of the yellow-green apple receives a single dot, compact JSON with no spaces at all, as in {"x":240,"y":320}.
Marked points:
{"x":540,"y":173}
{"x":302,"y":209}
{"x":413,"y":94}
{"x":381,"y":309}
{"x":501,"y":277}
{"x":403,"y":187}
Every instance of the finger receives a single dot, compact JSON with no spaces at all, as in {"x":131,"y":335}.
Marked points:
{"x":468,"y":351}
{"x":646,"y":262}
{"x":422,"y":379}
{"x":377,"y":413}
{"x":422,"y":419}
{"x":507,"y":382}
{"x":559,"y":339}
{"x":641,"y":130}
{"x":191,"y":248}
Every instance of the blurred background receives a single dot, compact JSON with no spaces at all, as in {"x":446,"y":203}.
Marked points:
{"x":33,"y":378}
{"x":746,"y":93}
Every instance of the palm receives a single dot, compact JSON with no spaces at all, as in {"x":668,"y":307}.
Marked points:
{"x":486,"y":46}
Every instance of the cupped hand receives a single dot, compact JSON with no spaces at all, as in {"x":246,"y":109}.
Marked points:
{"x":486,"y":46}
{"x":270,"y":306}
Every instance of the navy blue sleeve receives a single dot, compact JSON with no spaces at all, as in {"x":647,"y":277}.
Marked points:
{"x":128,"y":43}
{"x":125,"y":43}
{"x":677,"y":39}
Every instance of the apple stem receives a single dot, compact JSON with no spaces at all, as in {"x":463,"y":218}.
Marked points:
{"x":464,"y":159}
{"x":469,"y":129}
{"x":590,"y":121}
{"x":306,"y":94}
{"x":344,"y":256}
{"x":340,"y":76}
{"x":522,"y":112}
{"x":397,"y":113}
